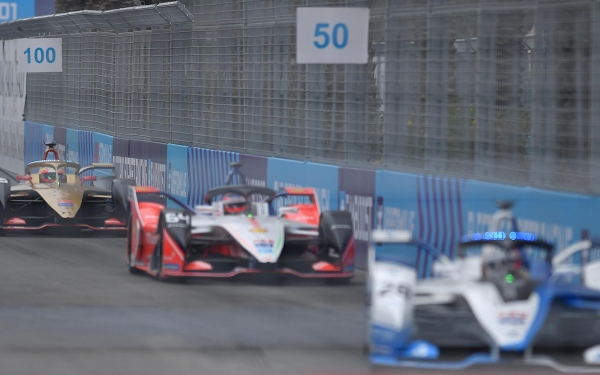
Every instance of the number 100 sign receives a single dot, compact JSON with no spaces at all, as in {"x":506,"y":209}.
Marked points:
{"x":332,"y":35}
{"x":39,"y":55}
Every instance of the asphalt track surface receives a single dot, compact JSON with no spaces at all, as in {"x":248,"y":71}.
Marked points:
{"x":68,"y":305}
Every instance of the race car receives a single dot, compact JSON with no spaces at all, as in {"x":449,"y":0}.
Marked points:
{"x":54,"y":193}
{"x":502,"y":300}
{"x":297,"y":204}
{"x":233,"y":233}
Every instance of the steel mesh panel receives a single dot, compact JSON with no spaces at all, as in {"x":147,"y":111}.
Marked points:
{"x":181,"y":84}
{"x":83,"y":20}
{"x":123,"y":95}
{"x":143,"y":16}
{"x":498,"y":91}
{"x":159,"y":86}
{"x":117,"y":19}
{"x":66,"y":22}
{"x":43,"y":24}
{"x":71,"y":70}
{"x":140,"y":82}
{"x":174,"y":12}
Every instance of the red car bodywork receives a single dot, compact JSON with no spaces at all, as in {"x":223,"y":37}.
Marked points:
{"x":308,"y":213}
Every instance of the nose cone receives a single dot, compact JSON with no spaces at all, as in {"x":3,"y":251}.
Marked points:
{"x":65,"y":201}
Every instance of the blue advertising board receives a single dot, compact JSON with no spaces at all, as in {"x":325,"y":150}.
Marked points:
{"x":289,"y":173}
{"x":120,"y":156}
{"x":35,"y":136}
{"x":207,"y":169}
{"x":255,"y":169}
{"x":86,"y":148}
{"x":557,"y":217}
{"x":11,"y":10}
{"x":147,"y":162}
{"x":103,"y":148}
{"x":429,"y":207}
{"x":72,"y":148}
{"x":177,"y":171}
{"x":103,"y":145}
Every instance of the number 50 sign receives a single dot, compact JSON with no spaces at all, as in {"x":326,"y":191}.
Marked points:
{"x":332,"y":35}
{"x":39,"y":55}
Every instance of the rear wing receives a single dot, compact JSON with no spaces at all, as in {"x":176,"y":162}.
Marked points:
{"x":93,"y":166}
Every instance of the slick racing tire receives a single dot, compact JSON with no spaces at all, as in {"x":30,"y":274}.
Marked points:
{"x":132,"y":270}
{"x":2,"y":231}
{"x":160,"y":275}
{"x":4,"y":198}
{"x":119,"y":194}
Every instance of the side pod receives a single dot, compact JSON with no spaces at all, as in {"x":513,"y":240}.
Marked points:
{"x":335,"y":231}
{"x":177,"y":224}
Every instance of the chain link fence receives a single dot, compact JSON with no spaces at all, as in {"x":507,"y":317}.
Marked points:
{"x":503,"y":91}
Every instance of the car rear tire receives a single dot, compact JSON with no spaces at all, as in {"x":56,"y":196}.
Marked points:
{"x":159,"y":260}
{"x":4,"y":201}
{"x":132,"y":269}
{"x":119,"y":190}
{"x":160,"y":276}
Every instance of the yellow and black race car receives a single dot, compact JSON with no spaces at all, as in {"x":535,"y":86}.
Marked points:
{"x":60,"y":193}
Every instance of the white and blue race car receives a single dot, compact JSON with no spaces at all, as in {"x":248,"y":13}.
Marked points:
{"x":505,"y":298}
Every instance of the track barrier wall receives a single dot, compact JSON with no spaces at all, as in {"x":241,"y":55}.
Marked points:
{"x":177,"y":171}
{"x":437,"y":210}
{"x":207,"y":169}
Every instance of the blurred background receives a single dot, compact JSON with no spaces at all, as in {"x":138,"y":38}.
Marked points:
{"x":492,"y":90}
{"x":457,"y":96}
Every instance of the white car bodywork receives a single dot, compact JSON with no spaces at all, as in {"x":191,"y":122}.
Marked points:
{"x":263,"y":236}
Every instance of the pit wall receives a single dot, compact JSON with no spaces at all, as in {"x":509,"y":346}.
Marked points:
{"x":437,"y":210}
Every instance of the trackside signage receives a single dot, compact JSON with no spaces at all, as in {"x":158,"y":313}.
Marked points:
{"x":12,"y":10}
{"x":39,"y":55}
{"x":332,"y":35}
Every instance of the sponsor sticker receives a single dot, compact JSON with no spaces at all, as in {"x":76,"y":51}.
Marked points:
{"x":341,"y":226}
{"x":152,"y":238}
{"x":264,"y":246}
{"x":171,"y":266}
{"x":258,"y":230}
{"x":65,"y":203}
{"x":512,"y":318}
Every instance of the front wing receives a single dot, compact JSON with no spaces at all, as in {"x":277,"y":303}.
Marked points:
{"x":233,"y":260}
{"x":39,"y":216}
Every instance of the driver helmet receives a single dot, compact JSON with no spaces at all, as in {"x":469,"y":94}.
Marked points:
{"x":234,"y":204}
{"x":47,"y":175}
{"x":499,"y":264}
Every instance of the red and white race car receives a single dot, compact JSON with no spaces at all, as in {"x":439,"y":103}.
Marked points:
{"x":238,"y":230}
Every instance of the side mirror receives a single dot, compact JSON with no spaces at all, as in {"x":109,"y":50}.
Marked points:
{"x":22,"y":177}
{"x":88,"y":178}
{"x":287,"y":210}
